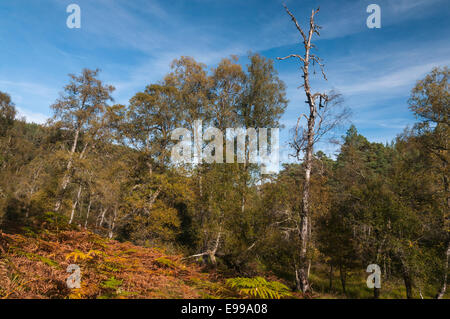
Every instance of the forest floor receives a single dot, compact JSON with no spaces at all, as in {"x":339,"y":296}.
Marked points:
{"x":34,"y":265}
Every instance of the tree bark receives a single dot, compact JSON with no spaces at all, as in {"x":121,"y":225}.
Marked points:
{"x":74,"y":206}
{"x":331,"y":277}
{"x":376,"y":293}
{"x":88,"y":212}
{"x":66,"y":178}
{"x":407,"y":280}
{"x":102,"y":218}
{"x":443,"y":288}
{"x":306,"y":145}
{"x":112,"y":224}
{"x":154,"y":197}
{"x":343,"y":275}
{"x":213,"y":252}
{"x":408,"y":285}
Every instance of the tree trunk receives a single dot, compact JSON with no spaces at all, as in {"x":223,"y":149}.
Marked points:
{"x":306,"y":145}
{"x":154,"y":197}
{"x":407,"y":280}
{"x":443,"y":288}
{"x":376,"y":293}
{"x":302,"y":274}
{"x":74,"y":206}
{"x":66,"y":178}
{"x":112,"y":224}
{"x":87,"y":214}
{"x":244,"y":186}
{"x":297,"y":278}
{"x":102,"y":218}
{"x":331,"y":277}
{"x":343,"y":275}
{"x":408,"y":285}
{"x":212,"y":252}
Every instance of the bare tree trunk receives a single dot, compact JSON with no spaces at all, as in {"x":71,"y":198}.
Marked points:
{"x":376,"y":293}
{"x":306,"y":145}
{"x":113,"y":224}
{"x":443,"y":288}
{"x":343,"y":275}
{"x":309,"y":267}
{"x":66,"y":178}
{"x":304,"y":225}
{"x":331,"y":277}
{"x":74,"y":206}
{"x":244,"y":184}
{"x":154,"y":197}
{"x":408,"y":284}
{"x":297,"y":278}
{"x":102,"y":218}
{"x":407,"y":279}
{"x":213,"y":251}
{"x":88,"y":212}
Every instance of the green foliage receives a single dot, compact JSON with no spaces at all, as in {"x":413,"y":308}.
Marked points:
{"x":36,"y":257}
{"x":111,"y":283}
{"x":109,"y":167}
{"x":7,"y":113}
{"x":55,"y":220}
{"x":164,"y":262}
{"x":259,"y":288}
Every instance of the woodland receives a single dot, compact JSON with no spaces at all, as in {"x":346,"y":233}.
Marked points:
{"x":96,"y":185}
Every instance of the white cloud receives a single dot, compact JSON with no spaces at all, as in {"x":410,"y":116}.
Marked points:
{"x":31,"y":117}
{"x":28,"y":88}
{"x":398,"y":79}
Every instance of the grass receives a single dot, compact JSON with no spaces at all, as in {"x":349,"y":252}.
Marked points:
{"x":356,"y":287}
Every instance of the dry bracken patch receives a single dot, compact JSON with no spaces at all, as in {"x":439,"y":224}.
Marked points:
{"x":36,"y":267}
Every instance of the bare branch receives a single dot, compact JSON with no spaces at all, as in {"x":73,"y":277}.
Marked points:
{"x":296,"y":23}
{"x":316,"y":59}
{"x":292,"y":56}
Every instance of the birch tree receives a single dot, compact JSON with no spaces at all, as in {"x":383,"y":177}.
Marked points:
{"x":79,"y":110}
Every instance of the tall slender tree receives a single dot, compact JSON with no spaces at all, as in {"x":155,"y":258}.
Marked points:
{"x":320,"y":119}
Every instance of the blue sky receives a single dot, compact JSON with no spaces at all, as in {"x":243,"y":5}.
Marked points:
{"x":134,"y":41}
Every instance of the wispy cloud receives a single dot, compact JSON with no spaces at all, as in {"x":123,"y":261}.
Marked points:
{"x":398,"y":79}
{"x":343,"y":18}
{"x":31,"y":117}
{"x":27,"y":87}
{"x":133,"y":42}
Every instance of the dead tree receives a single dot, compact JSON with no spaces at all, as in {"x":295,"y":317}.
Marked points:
{"x":320,"y":119}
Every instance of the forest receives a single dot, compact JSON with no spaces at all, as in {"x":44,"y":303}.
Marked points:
{"x":105,"y":170}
